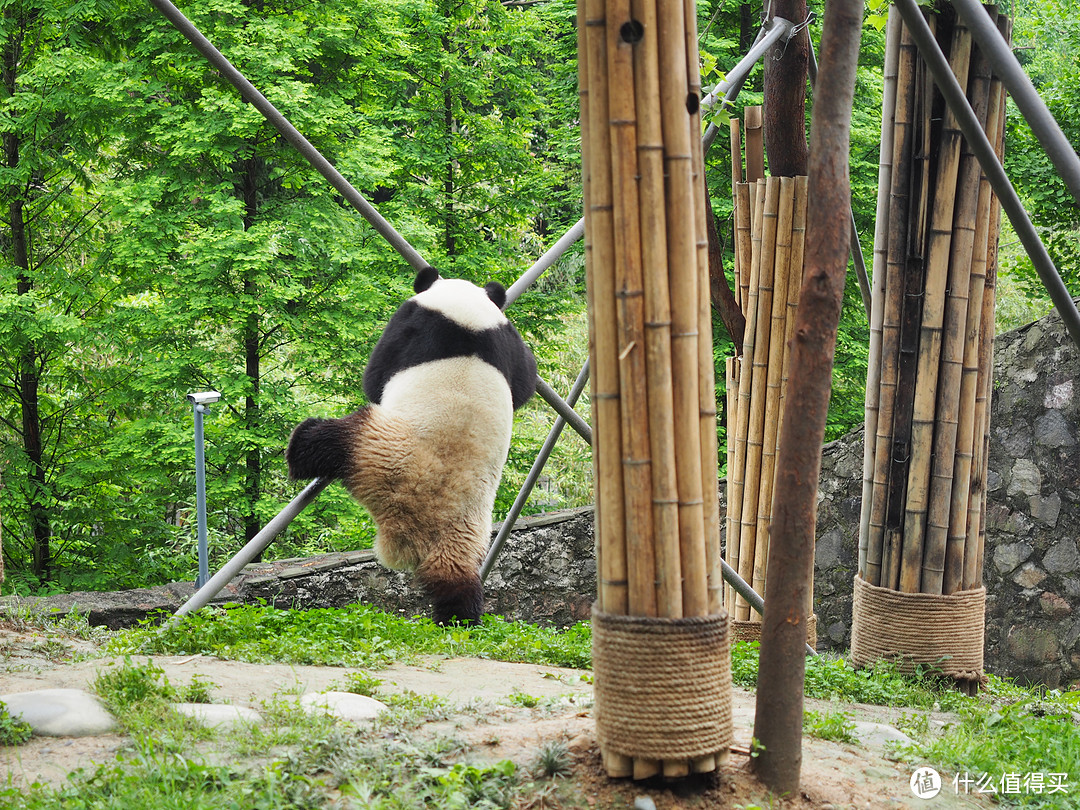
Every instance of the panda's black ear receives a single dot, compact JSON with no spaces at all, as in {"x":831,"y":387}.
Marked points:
{"x":424,"y":279}
{"x":496,"y":292}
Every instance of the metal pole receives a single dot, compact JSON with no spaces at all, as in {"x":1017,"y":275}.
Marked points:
{"x":200,"y":495}
{"x":544,"y":262}
{"x":564,"y":410}
{"x":253,"y":549}
{"x":290,"y":133}
{"x":995,"y":173}
{"x":534,"y":474}
{"x":1062,"y":153}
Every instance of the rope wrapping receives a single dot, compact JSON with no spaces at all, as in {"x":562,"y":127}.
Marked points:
{"x":943,"y":631}
{"x":662,"y":686}
{"x":751,"y":630}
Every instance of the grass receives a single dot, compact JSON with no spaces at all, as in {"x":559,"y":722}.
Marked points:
{"x":293,"y":759}
{"x":355,"y":636}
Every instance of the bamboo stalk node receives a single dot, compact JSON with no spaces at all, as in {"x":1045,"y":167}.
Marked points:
{"x":662,"y":685}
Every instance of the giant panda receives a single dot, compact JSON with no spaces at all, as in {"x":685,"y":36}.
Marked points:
{"x":426,"y":454}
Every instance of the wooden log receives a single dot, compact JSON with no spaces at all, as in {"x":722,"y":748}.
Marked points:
{"x":877,"y":568}
{"x":755,"y":145}
{"x":877,"y":292}
{"x":756,"y":427}
{"x":928,"y":369}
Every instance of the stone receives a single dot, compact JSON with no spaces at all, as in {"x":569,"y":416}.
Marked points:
{"x":61,"y":712}
{"x":1062,"y":558}
{"x":1029,"y":576}
{"x":1046,"y":510}
{"x":1010,"y":555}
{"x":644,"y":803}
{"x":838,"y":632}
{"x":1059,"y":395}
{"x":1035,"y":645}
{"x":827,"y":549}
{"x":1054,"y":606}
{"x":218,"y":715}
{"x":343,"y":705}
{"x":1026,"y":478}
{"x":879,"y":735}
{"x":1051,"y":430}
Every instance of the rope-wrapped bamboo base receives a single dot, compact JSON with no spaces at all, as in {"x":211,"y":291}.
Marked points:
{"x":662,"y":686}
{"x":751,"y":630}
{"x":943,"y":631}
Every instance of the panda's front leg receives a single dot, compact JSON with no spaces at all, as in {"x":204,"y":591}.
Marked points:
{"x":456,"y":596}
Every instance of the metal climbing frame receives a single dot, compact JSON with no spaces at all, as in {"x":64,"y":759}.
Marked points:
{"x":772,"y":33}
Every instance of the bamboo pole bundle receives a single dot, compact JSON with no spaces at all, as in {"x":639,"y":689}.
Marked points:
{"x":877,"y":309}
{"x":755,"y":144}
{"x":914,"y":281}
{"x":735,"y":506}
{"x":756,"y":424}
{"x":774,"y":371}
{"x":876,"y":570}
{"x":931,"y":325}
{"x":942,"y":571}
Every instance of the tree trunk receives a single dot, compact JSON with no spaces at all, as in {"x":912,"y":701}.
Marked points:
{"x":720,"y":294}
{"x":779,"y":711}
{"x":27,"y":377}
{"x":252,"y":325}
{"x":785,"y":97}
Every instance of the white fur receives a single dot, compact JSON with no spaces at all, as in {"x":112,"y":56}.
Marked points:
{"x":462,"y":302}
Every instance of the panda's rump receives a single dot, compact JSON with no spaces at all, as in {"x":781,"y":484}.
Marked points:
{"x":435,"y":502}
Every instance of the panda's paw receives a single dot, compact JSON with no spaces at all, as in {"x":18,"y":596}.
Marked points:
{"x":317,"y":448}
{"x":459,"y":601}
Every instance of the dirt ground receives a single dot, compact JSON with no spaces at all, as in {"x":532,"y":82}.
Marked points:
{"x":834,"y":775}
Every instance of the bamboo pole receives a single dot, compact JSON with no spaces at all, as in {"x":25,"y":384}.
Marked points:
{"x":743,"y":243}
{"x":731,"y":537}
{"x":665,"y":507}
{"x":928,"y":369}
{"x":961,"y":260}
{"x":973,"y":547}
{"x":612,"y":589}
{"x":876,"y":568}
{"x":745,"y":561}
{"x":755,"y":145}
{"x":877,"y":308}
{"x":736,"y":178}
{"x":755,"y":429}
{"x":775,"y":370}
{"x":795,"y":276}
{"x":629,"y":295}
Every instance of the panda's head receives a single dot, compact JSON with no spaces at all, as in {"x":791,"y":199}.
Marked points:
{"x":476,"y":308}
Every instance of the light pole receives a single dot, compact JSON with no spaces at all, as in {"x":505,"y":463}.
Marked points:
{"x":199,"y":401}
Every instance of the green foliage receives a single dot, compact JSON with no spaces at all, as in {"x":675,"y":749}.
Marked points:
{"x":132,"y":684}
{"x":13,"y":731}
{"x":835,"y":726}
{"x":358,"y":635}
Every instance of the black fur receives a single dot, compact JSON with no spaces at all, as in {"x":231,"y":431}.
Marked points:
{"x":460,"y":601}
{"x":496,"y":292}
{"x":418,"y":335}
{"x":424,"y":279}
{"x":319,"y":448}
